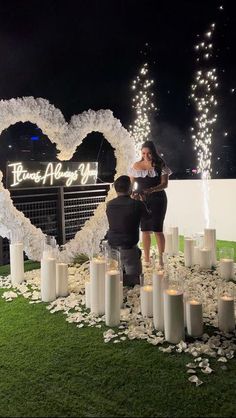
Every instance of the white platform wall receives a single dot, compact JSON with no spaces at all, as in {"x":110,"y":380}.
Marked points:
{"x":186,"y":207}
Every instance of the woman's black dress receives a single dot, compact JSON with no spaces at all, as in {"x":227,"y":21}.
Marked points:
{"x":156,"y":202}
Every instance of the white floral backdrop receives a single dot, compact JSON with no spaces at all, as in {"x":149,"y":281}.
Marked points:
{"x":67,"y":137}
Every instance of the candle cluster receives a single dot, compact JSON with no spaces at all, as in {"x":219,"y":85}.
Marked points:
{"x":54,"y":277}
{"x":164,"y":301}
{"x":174,"y":306}
{"x":201,"y":249}
{"x":104,"y":291}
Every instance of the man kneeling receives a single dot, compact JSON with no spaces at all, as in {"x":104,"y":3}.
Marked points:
{"x":124,"y":215}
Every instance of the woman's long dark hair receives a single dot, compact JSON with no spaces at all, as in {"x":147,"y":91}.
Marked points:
{"x":157,"y":162}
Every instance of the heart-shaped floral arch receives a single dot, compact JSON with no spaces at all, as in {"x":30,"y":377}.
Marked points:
{"x":67,"y":137}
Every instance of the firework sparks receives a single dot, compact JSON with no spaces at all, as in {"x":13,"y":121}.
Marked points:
{"x":144,"y":107}
{"x":203,"y":96}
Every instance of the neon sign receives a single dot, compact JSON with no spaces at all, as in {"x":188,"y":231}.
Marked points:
{"x":33,"y":174}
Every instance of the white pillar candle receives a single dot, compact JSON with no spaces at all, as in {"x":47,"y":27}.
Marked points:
{"x":146,"y":300}
{"x":17,"y":262}
{"x":48,"y":279}
{"x":173,"y":316}
{"x":112,"y":298}
{"x":194,"y":318}
{"x":159,"y":284}
{"x":87,"y":295}
{"x":97,"y":290}
{"x":196,"y":254}
{"x":226,"y":268}
{"x":49,"y":253}
{"x":188,"y":251}
{"x":226,"y":316}
{"x":169,"y":244}
{"x":205,"y":255}
{"x":200,"y":239}
{"x":121,"y":294}
{"x":210,"y":242}
{"x":175,"y":239}
{"x":61,"y":279}
{"x":184,"y":301}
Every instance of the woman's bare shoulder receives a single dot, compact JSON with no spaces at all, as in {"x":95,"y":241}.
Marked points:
{"x":138,"y":165}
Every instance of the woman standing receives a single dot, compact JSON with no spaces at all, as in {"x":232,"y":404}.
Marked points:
{"x":150,"y":177}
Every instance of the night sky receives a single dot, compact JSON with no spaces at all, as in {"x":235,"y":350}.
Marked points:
{"x":85,"y":54}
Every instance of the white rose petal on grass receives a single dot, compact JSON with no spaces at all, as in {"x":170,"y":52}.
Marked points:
{"x":230,"y":355}
{"x":131,"y":337}
{"x":159,"y":340}
{"x":9,"y":295}
{"x":181,"y":347}
{"x":207,"y":370}
{"x":36,"y":295}
{"x":56,"y":309}
{"x":222,"y":359}
{"x":191,"y":365}
{"x":204,"y":363}
{"x":191,"y":371}
{"x":194,"y":379}
{"x":167,"y":350}
{"x":26,"y":295}
{"x":22,"y":288}
{"x":109,"y":332}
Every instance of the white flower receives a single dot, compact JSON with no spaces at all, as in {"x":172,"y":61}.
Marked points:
{"x":67,"y":137}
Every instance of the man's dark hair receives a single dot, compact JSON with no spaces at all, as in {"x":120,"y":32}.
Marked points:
{"x":122,"y":184}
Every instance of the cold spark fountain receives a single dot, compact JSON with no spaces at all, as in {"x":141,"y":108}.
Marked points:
{"x":203,"y":96}
{"x":144,"y":107}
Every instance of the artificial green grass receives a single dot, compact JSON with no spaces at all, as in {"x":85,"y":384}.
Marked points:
{"x":28,"y":265}
{"x":49,"y":367}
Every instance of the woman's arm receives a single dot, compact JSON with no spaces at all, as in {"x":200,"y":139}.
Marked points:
{"x":163,"y":185}
{"x":132,"y":180}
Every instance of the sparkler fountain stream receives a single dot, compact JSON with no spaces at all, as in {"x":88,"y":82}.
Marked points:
{"x":144,"y":107}
{"x":203,"y":96}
